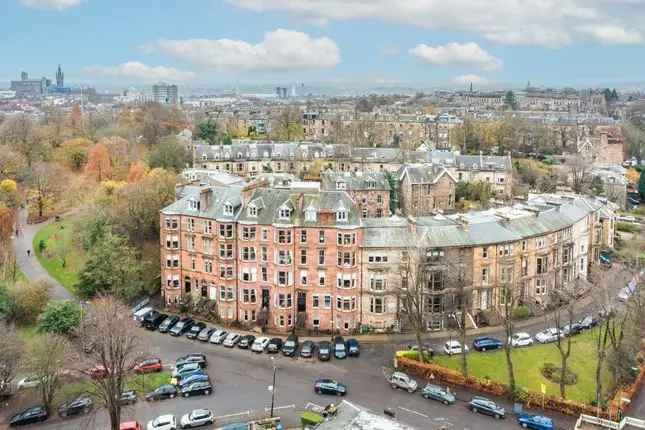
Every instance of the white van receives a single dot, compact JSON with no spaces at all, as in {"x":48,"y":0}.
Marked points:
{"x":138,"y":315}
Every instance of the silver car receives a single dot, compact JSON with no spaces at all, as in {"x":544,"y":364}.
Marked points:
{"x":196,"y":418}
{"x":218,"y":336}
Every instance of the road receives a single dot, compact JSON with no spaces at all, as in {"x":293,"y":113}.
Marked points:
{"x":242,"y":378}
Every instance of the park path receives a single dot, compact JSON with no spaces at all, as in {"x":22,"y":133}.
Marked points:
{"x":29,"y":263}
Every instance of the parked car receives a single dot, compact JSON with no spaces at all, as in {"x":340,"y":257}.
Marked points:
{"x":149,"y":365}
{"x":34,"y":414}
{"x":521,"y":339}
{"x":29,"y":382}
{"x":183,"y":368}
{"x":128,"y":398}
{"x":140,"y":305}
{"x":402,"y":381}
{"x":195,"y":329}
{"x":246,"y":341}
{"x":548,"y":335}
{"x":218,"y":336}
{"x":130,"y":425}
{"x":324,"y":350}
{"x":166,"y":391}
{"x":197,"y":377}
{"x":231,"y":340}
{"x":353,"y":348}
{"x":163,"y":422}
{"x":330,"y":386}
{"x":535,"y":422}
{"x":486,"y":406}
{"x":182,"y":326}
{"x":275,"y":345}
{"x":80,"y":405}
{"x":197,"y":388}
{"x":185,"y":375}
{"x":340,"y":351}
{"x":571,"y":329}
{"x":260,"y":344}
{"x":168,"y":323}
{"x":194,"y":357}
{"x":205,"y":334}
{"x":487,"y":343}
{"x":426,"y":348}
{"x":153,"y":319}
{"x":290,"y":346}
{"x":307,"y":349}
{"x":197,"y":418}
{"x":436,"y":392}
{"x":588,"y":322}
{"x":454,"y":347}
{"x":141,"y":313}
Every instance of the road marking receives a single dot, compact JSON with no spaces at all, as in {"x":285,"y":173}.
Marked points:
{"x":280,"y":407}
{"x":414,"y":412}
{"x":233,"y":415}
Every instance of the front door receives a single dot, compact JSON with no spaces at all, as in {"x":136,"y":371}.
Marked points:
{"x":265,"y":298}
{"x":302,"y":301}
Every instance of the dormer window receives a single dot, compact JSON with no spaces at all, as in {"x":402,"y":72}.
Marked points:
{"x":341,"y":186}
{"x":228,"y":209}
{"x":204,"y":157}
{"x":193,"y":204}
{"x":284,"y":212}
{"x":252,"y":210}
{"x":310,"y":215}
{"x":341,"y":215}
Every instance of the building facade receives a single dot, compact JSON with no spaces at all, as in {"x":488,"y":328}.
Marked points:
{"x":286,"y":258}
{"x":370,"y":191}
{"x":165,"y":94}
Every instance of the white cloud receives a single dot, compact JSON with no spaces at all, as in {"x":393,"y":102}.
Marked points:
{"x":551,"y":23}
{"x":51,"y":4}
{"x":469,"y":79}
{"x":140,"y":72}
{"x":612,"y":34}
{"x":457,"y":54}
{"x":280,"y":50}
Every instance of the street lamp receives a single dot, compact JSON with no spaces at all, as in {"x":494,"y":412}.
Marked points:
{"x":272,"y":387}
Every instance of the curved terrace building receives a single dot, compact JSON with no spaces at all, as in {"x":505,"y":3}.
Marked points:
{"x":297,"y":257}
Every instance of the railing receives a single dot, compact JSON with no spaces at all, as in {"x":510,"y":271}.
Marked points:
{"x":603,"y":423}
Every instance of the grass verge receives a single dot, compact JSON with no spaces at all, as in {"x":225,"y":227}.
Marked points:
{"x":528,"y":362}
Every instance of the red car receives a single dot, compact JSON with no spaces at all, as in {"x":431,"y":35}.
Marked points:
{"x":130,"y":425}
{"x":149,"y":365}
{"x":97,"y":372}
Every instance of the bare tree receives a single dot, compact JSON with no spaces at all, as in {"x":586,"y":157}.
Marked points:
{"x":47,"y":360}
{"x":22,"y":135}
{"x":111,"y":340}
{"x":11,"y":354}
{"x":46,"y":183}
{"x":579,"y":172}
{"x":458,"y":284}
{"x":509,"y":300}
{"x":412,"y":295}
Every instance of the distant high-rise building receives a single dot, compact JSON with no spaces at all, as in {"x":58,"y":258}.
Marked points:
{"x":165,"y":94}
{"x":60,"y":78}
{"x":26,"y":87}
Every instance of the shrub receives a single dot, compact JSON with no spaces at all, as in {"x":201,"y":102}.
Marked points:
{"x":553,"y":373}
{"x":60,"y":317}
{"x":627,"y":227}
{"x":521,"y":312}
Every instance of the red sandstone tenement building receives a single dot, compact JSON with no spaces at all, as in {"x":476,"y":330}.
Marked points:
{"x":285,"y":258}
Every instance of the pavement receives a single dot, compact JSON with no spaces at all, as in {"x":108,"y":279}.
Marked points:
{"x":29,"y":263}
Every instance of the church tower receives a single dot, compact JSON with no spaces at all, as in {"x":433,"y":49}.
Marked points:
{"x":60,"y":78}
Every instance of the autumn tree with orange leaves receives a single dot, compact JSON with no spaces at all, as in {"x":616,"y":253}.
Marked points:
{"x":98,"y":164}
{"x":137,"y":172}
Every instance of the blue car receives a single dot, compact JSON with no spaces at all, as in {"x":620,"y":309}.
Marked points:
{"x":487,"y":343}
{"x":536,"y":422}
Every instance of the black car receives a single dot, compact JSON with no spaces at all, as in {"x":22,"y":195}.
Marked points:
{"x":153,"y":320}
{"x":486,"y":406}
{"x":588,"y":322}
{"x":308,"y":348}
{"x":195,"y":329}
{"x":168,"y":323}
{"x":290,"y":346}
{"x":166,"y":391}
{"x":197,"y":388}
{"x":353,"y":348}
{"x":330,"y":386}
{"x":195,"y":357}
{"x":34,"y":414}
{"x":80,"y":405}
{"x":571,"y":329}
{"x":275,"y":345}
{"x":324,"y":350}
{"x":246,"y":341}
{"x":128,"y":398}
{"x":183,"y":325}
{"x":340,"y":351}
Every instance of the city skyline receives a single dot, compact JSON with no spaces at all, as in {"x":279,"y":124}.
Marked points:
{"x":416,"y":44}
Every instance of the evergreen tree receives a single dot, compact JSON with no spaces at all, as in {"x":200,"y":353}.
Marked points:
{"x":207,"y":130}
{"x":509,"y":100}
{"x":641,"y":185}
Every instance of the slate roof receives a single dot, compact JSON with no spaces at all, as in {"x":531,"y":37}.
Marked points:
{"x":355,"y":181}
{"x":422,"y":173}
{"x":219,"y":197}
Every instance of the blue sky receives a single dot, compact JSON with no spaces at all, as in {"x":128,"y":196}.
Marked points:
{"x":420,"y":42}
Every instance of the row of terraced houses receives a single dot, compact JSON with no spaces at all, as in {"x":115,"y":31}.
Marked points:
{"x":301,"y":256}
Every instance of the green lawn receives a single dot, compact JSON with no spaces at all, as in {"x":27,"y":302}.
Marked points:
{"x":61,"y":242}
{"x":527,"y":364}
